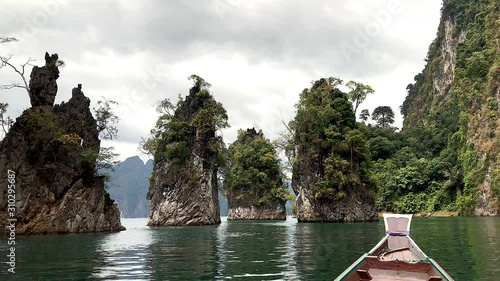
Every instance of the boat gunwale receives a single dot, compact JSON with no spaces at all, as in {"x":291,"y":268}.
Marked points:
{"x":426,"y":259}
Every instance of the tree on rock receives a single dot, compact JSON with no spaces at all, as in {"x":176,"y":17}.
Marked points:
{"x":384,"y":116}
{"x":254,"y":180}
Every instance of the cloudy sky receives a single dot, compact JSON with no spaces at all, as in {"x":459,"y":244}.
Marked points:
{"x":258,"y":55}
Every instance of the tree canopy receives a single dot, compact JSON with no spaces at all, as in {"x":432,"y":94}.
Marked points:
{"x":364,"y":115}
{"x":383,"y":115}
{"x":329,"y":142}
{"x":358,"y":93}
{"x":253,"y":174}
{"x":199,"y":114}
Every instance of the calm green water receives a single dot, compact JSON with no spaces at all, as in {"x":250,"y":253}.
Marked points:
{"x":468,"y":248}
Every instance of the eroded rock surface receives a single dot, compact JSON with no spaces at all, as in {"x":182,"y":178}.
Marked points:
{"x":52,"y":151}
{"x":183,"y":188}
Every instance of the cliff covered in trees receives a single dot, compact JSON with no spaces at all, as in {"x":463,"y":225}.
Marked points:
{"x":254,"y":181}
{"x":330,"y":157}
{"x":52,"y":150}
{"x":187,"y":155}
{"x":452,"y":115}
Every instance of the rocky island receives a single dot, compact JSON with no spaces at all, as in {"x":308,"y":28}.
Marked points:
{"x":254,"y":181}
{"x":330,"y":158}
{"x":52,"y":151}
{"x":183,"y":188}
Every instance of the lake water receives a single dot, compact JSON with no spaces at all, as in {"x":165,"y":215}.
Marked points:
{"x":468,"y":248}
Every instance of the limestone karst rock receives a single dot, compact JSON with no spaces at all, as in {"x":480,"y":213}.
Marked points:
{"x":43,"y":85}
{"x":52,"y":151}
{"x":183,"y":188}
{"x":254,"y":181}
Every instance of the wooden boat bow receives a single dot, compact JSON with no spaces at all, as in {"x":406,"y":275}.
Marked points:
{"x":396,"y":257}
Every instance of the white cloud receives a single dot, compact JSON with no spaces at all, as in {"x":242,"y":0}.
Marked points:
{"x":257,"y":55}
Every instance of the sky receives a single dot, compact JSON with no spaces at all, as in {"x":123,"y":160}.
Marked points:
{"x":258,"y":55}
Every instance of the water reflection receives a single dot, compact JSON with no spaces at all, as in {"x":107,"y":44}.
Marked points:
{"x":468,"y":248}
{"x":483,"y":239}
{"x":288,"y":260}
{"x":184,"y":253}
{"x":222,"y":252}
{"x":327,"y":249}
{"x":123,"y":258}
{"x":254,"y":250}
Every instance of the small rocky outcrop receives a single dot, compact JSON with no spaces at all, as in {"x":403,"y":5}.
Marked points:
{"x":254,"y":181}
{"x":43,"y":85}
{"x":183,"y":188}
{"x":351,"y":209}
{"x":52,"y":151}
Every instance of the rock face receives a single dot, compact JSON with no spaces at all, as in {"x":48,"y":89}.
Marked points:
{"x":276,"y":212}
{"x":43,"y":85}
{"x":52,"y":151}
{"x":461,"y":84}
{"x":351,"y":209}
{"x":253,"y":181}
{"x":183,"y":188}
{"x":176,"y":201}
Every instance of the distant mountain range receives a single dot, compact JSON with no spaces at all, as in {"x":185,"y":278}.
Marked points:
{"x":129,"y":186}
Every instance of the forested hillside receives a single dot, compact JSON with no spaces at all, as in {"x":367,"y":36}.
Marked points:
{"x":447,"y":155}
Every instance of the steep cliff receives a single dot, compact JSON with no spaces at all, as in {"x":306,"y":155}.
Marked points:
{"x":183,"y":188}
{"x":331,"y":166}
{"x":50,"y":150}
{"x":253,"y":181}
{"x":456,"y":101}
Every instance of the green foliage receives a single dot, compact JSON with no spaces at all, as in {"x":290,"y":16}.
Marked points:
{"x":381,"y":148}
{"x":358,"y":93}
{"x":98,"y":163}
{"x":69,"y":139}
{"x":384,"y":116}
{"x":198,"y":118}
{"x":462,"y":11}
{"x":44,"y":121}
{"x":457,"y":127}
{"x":254,"y":174}
{"x":106,"y":119}
{"x":329,"y":142}
{"x":364,"y":115}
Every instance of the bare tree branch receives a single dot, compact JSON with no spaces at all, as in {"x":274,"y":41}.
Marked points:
{"x":11,"y":86}
{"x":5,"y":62}
{"x":286,"y":125}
